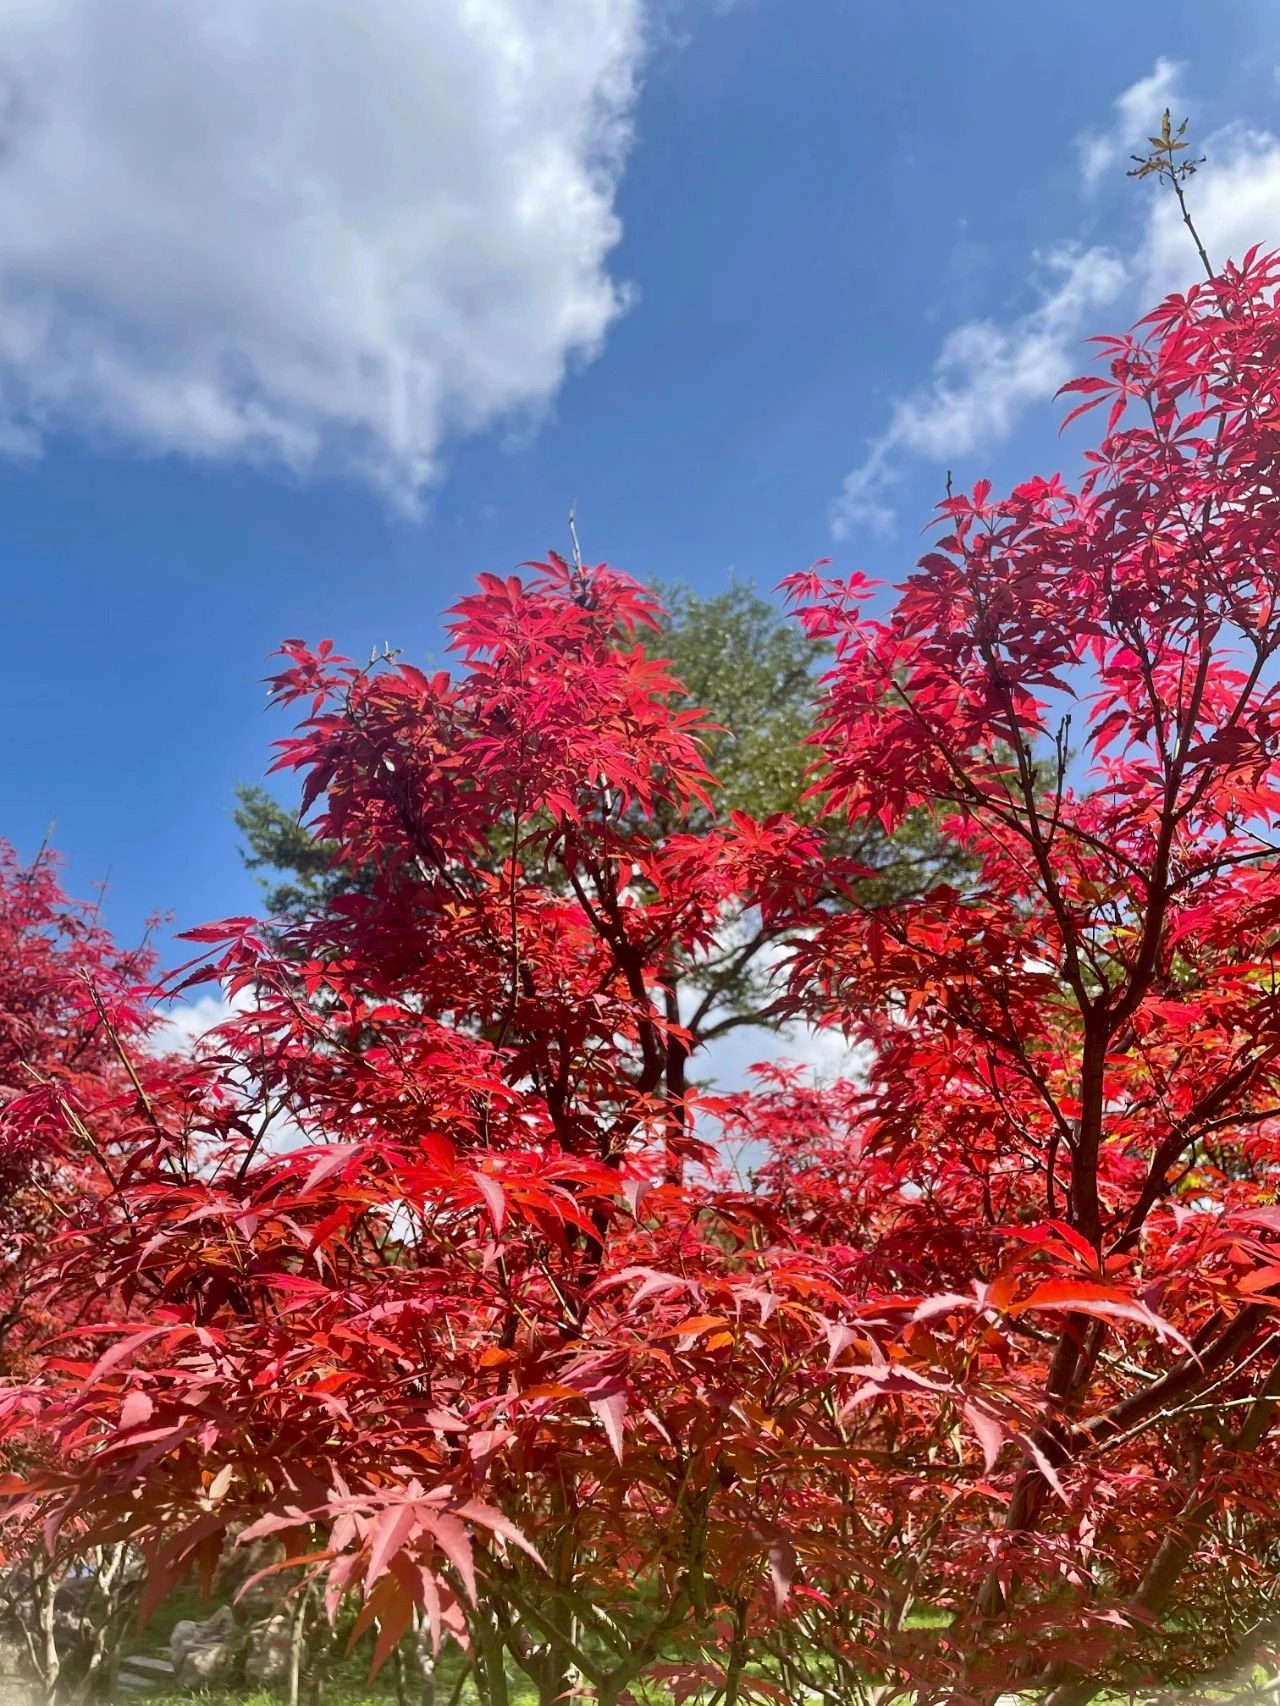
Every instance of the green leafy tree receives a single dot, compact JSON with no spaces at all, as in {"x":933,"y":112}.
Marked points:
{"x":757,"y":675}
{"x":298,"y":871}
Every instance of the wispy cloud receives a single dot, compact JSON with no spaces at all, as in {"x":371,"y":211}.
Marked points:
{"x":984,"y":378}
{"x":186,"y":1028}
{"x":988,"y":373}
{"x":184,"y":1025}
{"x":824,"y":1055}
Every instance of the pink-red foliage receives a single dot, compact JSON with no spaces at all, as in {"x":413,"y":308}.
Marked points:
{"x":439,"y":1280}
{"x":73,"y":1009}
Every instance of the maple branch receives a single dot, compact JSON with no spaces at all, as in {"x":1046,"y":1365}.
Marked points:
{"x":1200,"y":1119}
{"x":1204,"y":1359}
{"x":1188,"y":1531}
{"x":555,"y":1632}
{"x":735,"y":1021}
{"x":1027,"y":782}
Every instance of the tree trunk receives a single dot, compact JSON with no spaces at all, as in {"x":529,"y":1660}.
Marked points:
{"x":104,"y":1652}
{"x":492,"y":1671}
{"x":426,"y":1659}
{"x":50,"y":1663}
{"x":319,"y":1669}
{"x":298,"y":1642}
{"x":677,"y":1088}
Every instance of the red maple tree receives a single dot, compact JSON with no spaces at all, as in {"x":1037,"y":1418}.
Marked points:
{"x":440,"y":1281}
{"x":73,"y":1014}
{"x":81,"y":1083}
{"x":1074,"y":1105}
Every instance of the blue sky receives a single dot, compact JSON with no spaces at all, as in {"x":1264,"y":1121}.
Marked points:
{"x":299,"y":329}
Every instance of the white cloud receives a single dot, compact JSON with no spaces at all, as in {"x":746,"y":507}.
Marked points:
{"x":183,"y":1026}
{"x":299,"y":232}
{"x":984,"y":378}
{"x":1138,"y":109}
{"x":727,"y":1059}
{"x":725,"y":1066}
{"x":824,"y":1055}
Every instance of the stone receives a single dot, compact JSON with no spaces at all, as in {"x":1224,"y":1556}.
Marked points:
{"x":134,"y":1681}
{"x":259,"y":1602}
{"x":181,"y":1639}
{"x":267,"y":1655}
{"x":208,"y":1661}
{"x":201,"y":1653}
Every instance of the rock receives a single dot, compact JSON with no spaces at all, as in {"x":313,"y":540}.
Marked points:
{"x":230,"y":1570}
{"x":204,"y":1652}
{"x":181,"y":1640}
{"x":267,"y":1656}
{"x":134,"y":1681}
{"x":258,"y":1603}
{"x":209,"y":1661}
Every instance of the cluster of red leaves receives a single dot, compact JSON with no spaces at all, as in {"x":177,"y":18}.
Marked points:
{"x":425,"y":1267}
{"x":74,"y":1021}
